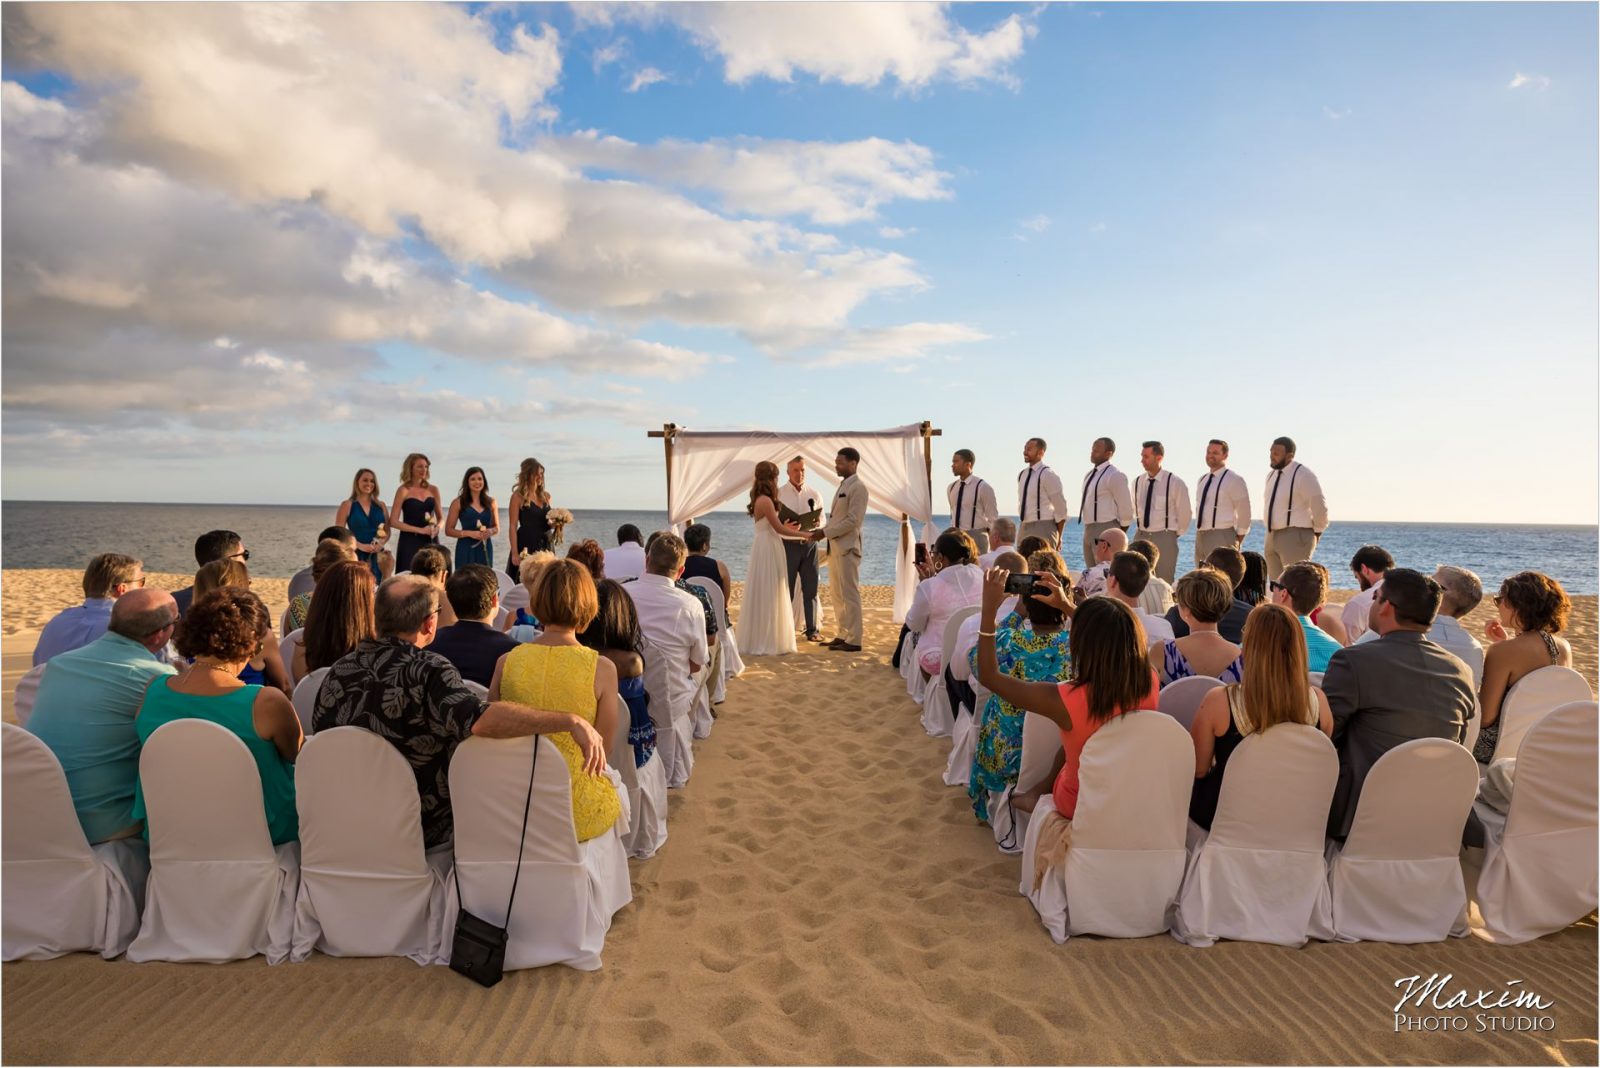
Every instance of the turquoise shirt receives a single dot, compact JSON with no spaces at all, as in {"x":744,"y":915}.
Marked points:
{"x":1320,"y":645}
{"x":84,"y":712}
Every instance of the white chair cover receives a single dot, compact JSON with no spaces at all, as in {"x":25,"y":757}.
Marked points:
{"x":1181,"y":698}
{"x":705,"y":681}
{"x":1041,"y":741}
{"x":732,"y":663}
{"x":568,"y":891}
{"x":1126,"y":860}
{"x":1538,"y":864}
{"x":476,"y":687}
{"x":938,"y":718}
{"x":27,"y":693}
{"x":504,"y":584}
{"x":61,"y":895}
{"x":916,"y":688}
{"x":218,"y":889}
{"x":1260,"y":875}
{"x":500,"y":616}
{"x":1535,"y":696}
{"x":514,"y":598}
{"x":367,"y":888}
{"x":646,"y":790}
{"x":1398,"y":876}
{"x":674,"y":727}
{"x":286,"y":647}
{"x":305,"y":698}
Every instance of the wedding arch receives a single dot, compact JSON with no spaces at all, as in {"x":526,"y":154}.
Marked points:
{"x":706,"y":468}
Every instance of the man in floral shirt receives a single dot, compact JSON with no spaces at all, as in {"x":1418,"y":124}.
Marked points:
{"x":392,"y":686}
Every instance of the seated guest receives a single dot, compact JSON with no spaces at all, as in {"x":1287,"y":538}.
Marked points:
{"x":523,"y":625}
{"x":588,"y":553}
{"x":330,"y":551}
{"x":1462,"y":591}
{"x":615,"y":635}
{"x":223,"y":630}
{"x":958,"y":673}
{"x":700,"y":563}
{"x":557,"y":672}
{"x":694,"y":591}
{"x":1107,"y":543}
{"x":1125,"y":582}
{"x":671,"y":620}
{"x":209,"y":547}
{"x":1204,"y":597}
{"x":265,"y":668}
{"x":1326,"y":619}
{"x":1002,"y":536}
{"x":305,"y":580}
{"x":471,"y":643}
{"x":391,"y":685}
{"x":1392,"y":690}
{"x":1032,"y":544}
{"x":108,"y":577}
{"x":1369,"y":565}
{"x":1533,"y":609}
{"x":1252,"y":589}
{"x":1230,"y":562}
{"x":433,"y":563}
{"x":1275,"y":690}
{"x":1031,"y":644}
{"x":1110,"y":676}
{"x":1303,"y":589}
{"x":950,"y":581}
{"x":86,"y":705}
{"x":1157,"y":596}
{"x":340,"y":617}
{"x":626,"y":561}
{"x":1048,"y":559}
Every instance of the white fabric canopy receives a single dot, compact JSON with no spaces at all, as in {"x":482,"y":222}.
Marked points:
{"x":710,"y":467}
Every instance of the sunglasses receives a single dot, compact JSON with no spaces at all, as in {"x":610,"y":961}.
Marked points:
{"x":242,"y":554}
{"x":1275,"y":586}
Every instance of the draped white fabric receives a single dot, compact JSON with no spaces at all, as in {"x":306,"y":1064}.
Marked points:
{"x":709,"y":468}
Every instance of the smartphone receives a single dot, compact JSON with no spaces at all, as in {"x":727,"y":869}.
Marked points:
{"x":922,"y":554}
{"x":1021,"y":583}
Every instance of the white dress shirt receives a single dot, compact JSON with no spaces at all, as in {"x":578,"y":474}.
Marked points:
{"x":626,"y":561}
{"x":986,"y":561}
{"x":802,"y":500}
{"x":1293,"y":498}
{"x":972,"y":504}
{"x":1039,"y":496}
{"x":1354,"y":616}
{"x":1223,"y":502}
{"x":1452,"y":637}
{"x":1105,"y":497}
{"x":1164,"y":498}
{"x":1155,"y":628}
{"x":675,"y":624}
{"x":1157,"y":596}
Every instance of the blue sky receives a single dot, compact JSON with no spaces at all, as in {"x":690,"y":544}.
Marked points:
{"x":1368,"y":226}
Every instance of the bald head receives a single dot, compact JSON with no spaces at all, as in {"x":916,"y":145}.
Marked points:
{"x":1110,"y":542}
{"x":146,"y":616}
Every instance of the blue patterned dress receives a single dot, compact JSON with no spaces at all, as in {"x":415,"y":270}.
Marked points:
{"x":1022,"y":654}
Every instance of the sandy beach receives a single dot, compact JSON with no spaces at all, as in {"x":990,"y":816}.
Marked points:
{"x":823,"y":898}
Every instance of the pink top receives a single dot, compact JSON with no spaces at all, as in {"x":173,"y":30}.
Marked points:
{"x":1076,"y":698}
{"x":938,"y":598}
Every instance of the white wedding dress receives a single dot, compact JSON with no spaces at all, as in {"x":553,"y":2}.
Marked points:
{"x":766,"y":619}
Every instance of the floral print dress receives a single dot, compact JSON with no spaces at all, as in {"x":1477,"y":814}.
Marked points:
{"x":1025,"y":655}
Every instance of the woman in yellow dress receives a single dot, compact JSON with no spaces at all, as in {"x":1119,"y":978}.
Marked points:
{"x":557,"y":673}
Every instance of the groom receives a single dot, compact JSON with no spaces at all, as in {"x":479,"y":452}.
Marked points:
{"x":843,"y":531}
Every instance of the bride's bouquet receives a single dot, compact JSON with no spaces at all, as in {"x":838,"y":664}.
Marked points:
{"x":558,"y":520}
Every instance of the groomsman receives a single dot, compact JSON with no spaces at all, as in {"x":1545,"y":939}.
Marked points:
{"x":1161,"y":506}
{"x":1105,"y":502}
{"x":1041,"y":505}
{"x":1296,"y":514}
{"x":800,"y":497}
{"x":972,"y":506}
{"x":1222,"y":518}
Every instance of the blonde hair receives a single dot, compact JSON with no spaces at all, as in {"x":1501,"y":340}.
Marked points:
{"x":528,"y":570}
{"x":330,"y":551}
{"x":1275,"y":686}
{"x":355,"y":483}
{"x":410,"y":462}
{"x":1205,"y":593}
{"x":525,"y":487}
{"x":220,"y":573}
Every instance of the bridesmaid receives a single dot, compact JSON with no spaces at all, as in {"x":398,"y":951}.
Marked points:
{"x":473,"y":521}
{"x":416,"y":511}
{"x":529,"y":514}
{"x":365,"y":515}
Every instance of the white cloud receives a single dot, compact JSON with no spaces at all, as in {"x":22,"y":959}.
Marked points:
{"x":643,"y":79}
{"x":894,"y":233}
{"x":1097,"y":228}
{"x":608,"y":54}
{"x":1537,"y":81}
{"x":1336,"y":114}
{"x":913,"y":44}
{"x":1033,"y":225}
{"x":899,"y":346}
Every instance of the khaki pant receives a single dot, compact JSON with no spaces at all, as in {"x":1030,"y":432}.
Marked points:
{"x":844,"y":590}
{"x":1206,"y":540}
{"x":1288,"y":545}
{"x":1091,"y":531}
{"x":1040,"y":528}
{"x":981,"y":537}
{"x":1166,"y":543}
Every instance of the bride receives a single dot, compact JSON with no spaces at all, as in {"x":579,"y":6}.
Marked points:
{"x":766,"y":621}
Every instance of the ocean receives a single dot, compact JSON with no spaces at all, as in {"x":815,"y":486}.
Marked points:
{"x":45,"y":534}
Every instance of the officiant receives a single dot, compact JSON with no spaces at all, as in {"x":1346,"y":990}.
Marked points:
{"x":801,"y":499}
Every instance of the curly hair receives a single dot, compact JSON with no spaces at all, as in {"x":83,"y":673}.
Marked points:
{"x":1538,"y":600}
{"x":589,"y":553}
{"x":228,"y":624}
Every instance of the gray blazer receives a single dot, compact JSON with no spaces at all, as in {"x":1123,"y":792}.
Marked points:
{"x":1386,"y":692}
{"x":845,"y":518}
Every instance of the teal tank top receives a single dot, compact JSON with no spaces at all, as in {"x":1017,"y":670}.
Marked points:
{"x":234,"y":712}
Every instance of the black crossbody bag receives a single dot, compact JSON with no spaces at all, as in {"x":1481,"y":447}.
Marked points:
{"x":479,"y":948}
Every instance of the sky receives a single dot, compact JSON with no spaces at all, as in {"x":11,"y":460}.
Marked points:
{"x":249,"y":249}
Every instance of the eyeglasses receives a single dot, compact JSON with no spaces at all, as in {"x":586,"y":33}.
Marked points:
{"x":242,"y":554}
{"x":1101,"y":541}
{"x":136,"y":582}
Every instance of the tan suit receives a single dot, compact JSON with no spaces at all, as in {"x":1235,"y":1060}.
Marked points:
{"x":843,"y":531}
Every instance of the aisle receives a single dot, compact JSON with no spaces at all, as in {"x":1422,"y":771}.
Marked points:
{"x":822,"y":899}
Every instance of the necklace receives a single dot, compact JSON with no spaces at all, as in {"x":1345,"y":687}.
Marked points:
{"x":218,"y":668}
